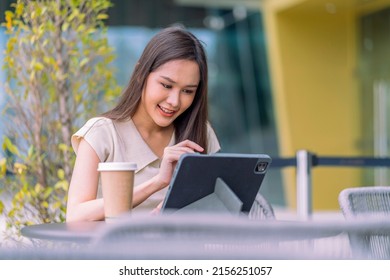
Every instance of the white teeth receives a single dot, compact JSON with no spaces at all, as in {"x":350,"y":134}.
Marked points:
{"x":166,"y":110}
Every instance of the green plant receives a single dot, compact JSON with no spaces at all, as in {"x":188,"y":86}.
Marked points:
{"x":57,"y":64}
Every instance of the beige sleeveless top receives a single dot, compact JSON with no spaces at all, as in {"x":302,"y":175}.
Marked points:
{"x":121,"y":141}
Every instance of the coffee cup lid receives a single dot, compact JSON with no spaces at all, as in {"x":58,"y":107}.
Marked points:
{"x":117,"y":166}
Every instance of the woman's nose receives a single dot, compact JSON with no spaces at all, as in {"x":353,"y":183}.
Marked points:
{"x":174,"y":98}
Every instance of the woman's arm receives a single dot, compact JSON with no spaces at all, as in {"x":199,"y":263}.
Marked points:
{"x":82,"y":203}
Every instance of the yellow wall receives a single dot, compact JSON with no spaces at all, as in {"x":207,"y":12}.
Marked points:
{"x":312,"y":52}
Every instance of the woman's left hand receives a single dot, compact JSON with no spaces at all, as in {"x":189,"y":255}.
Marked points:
{"x":157,"y":210}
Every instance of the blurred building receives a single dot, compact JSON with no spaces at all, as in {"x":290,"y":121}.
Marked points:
{"x":330,"y":80}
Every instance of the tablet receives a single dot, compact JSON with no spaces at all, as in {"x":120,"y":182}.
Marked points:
{"x":196,"y":177}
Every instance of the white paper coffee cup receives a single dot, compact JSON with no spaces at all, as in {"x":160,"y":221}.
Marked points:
{"x":117,"y":179}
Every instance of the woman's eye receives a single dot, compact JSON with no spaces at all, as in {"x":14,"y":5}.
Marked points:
{"x":165,"y":85}
{"x":188,"y":91}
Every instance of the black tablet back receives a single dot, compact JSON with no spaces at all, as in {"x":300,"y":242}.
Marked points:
{"x":196,"y":174}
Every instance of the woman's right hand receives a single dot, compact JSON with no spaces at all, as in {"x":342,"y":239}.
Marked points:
{"x":170,"y":158}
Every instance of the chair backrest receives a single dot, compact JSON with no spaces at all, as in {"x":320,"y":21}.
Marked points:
{"x":181,"y":235}
{"x":364,"y":200}
{"x":179,"y":226}
{"x":261,"y":209}
{"x":211,"y":236}
{"x":366,"y":203}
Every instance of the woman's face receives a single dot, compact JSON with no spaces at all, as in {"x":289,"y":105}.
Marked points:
{"x":169,"y":91}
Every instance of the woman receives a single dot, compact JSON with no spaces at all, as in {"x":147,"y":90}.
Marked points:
{"x":162,"y":115}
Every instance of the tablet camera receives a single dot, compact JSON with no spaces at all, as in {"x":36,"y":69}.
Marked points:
{"x":261,"y":167}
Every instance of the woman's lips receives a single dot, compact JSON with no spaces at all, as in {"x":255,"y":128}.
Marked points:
{"x":165,"y":111}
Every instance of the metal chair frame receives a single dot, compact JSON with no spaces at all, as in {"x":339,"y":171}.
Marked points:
{"x":367,"y":203}
{"x":261,"y":209}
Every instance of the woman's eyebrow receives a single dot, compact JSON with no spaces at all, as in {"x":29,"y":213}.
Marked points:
{"x":173,"y":82}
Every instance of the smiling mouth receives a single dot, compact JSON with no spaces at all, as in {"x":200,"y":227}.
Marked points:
{"x":166,"y":111}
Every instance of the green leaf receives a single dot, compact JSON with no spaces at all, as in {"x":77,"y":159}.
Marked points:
{"x":32,"y":76}
{"x":45,"y":204}
{"x":9,"y":14}
{"x":47,"y":193}
{"x":61,"y":174}
{"x":19,"y":9}
{"x":3,"y":167}
{"x":81,"y":28}
{"x":11,"y":213}
{"x":7,"y":144}
{"x":30,"y":151}
{"x":63,"y":147}
{"x":65,"y":26}
{"x":63,"y":185}
{"x":84,"y":61}
{"x":102,"y":16}
{"x":38,"y":66}
{"x":20,"y":168}
{"x":57,"y":204}
{"x":38,"y":188}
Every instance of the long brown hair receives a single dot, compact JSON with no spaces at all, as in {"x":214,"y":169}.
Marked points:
{"x":172,"y":43}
